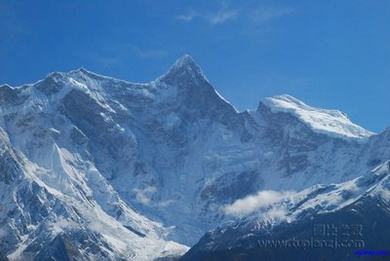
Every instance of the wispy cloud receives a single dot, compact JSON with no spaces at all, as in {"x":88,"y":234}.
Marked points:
{"x":188,"y":17}
{"x":149,"y":53}
{"x":255,"y":15}
{"x":115,"y":54}
{"x":223,"y":16}
{"x":144,"y":196}
{"x":219,"y":16}
{"x":252,"y":203}
{"x":106,"y":61}
{"x":265,"y":14}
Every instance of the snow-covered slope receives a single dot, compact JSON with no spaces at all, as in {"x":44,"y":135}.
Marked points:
{"x":331,"y":122}
{"x":325,"y":198}
{"x":135,"y":166}
{"x":63,"y":211}
{"x":360,"y":206}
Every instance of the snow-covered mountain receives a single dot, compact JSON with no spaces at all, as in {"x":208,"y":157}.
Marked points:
{"x":55,"y":203}
{"x":98,"y":167}
{"x":360,"y":206}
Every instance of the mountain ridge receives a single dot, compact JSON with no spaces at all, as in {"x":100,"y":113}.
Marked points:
{"x":188,"y":65}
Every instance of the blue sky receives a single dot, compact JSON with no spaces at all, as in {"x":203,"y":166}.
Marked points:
{"x":331,"y":54}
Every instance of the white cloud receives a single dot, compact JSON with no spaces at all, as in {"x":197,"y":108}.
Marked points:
{"x":222,"y":16}
{"x":262,"y":199}
{"x":256,"y":15}
{"x":115,"y":54}
{"x":277,"y":213}
{"x":151,"y":53}
{"x":187,"y":17}
{"x":214,"y":18}
{"x":265,"y":14}
{"x":143,"y":196}
{"x":166,"y":203}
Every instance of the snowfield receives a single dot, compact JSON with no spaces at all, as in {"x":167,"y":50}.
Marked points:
{"x":330,"y":122}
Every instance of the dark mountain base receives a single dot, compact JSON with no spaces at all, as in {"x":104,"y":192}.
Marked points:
{"x":360,"y":232}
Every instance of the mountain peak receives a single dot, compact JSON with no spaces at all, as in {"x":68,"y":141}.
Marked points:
{"x":330,"y":122}
{"x":185,"y":60}
{"x":184,"y":67}
{"x":85,"y":73}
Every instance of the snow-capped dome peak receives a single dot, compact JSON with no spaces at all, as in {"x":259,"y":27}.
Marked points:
{"x":330,"y":122}
{"x":82,"y":72}
{"x":6,"y":86}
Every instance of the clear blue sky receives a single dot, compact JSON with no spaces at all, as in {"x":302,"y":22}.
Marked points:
{"x":332,"y":54}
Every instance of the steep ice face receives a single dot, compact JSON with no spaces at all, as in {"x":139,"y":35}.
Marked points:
{"x":330,"y":122}
{"x":194,"y":93}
